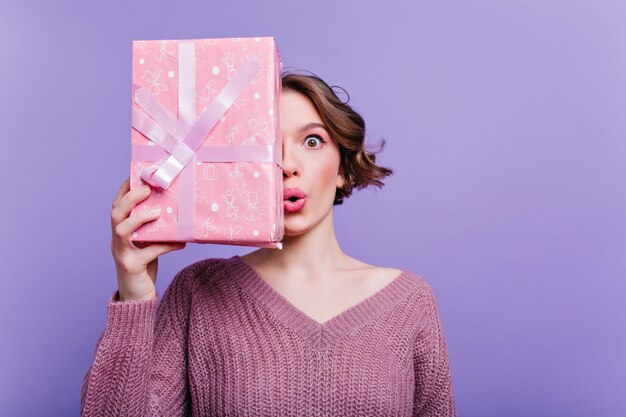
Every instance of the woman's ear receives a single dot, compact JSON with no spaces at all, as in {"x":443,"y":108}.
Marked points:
{"x":340,"y":181}
{"x":340,"y":177}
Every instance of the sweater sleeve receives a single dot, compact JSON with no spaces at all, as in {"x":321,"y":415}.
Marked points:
{"x":140,"y":363}
{"x":433,"y":395}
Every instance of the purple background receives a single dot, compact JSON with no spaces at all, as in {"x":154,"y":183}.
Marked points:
{"x":505,"y":123}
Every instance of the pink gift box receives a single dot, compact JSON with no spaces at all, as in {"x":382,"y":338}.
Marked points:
{"x":205,"y":136}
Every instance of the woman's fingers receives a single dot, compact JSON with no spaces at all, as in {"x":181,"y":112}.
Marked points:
{"x":124,"y":229}
{"x":128,"y":202}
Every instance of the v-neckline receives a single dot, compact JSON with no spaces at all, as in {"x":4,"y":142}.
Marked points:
{"x":319,"y":335}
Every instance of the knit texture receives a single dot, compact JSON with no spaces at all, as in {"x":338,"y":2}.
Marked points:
{"x":222,"y":342}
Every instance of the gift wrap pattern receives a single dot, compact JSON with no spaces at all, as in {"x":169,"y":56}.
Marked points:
{"x":206,"y":137}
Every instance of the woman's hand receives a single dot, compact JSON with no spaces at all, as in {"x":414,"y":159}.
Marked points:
{"x":136,"y":263}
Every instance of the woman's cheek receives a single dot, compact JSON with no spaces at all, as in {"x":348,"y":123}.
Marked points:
{"x":328,"y":175}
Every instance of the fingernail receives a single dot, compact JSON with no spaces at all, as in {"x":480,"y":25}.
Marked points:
{"x":155,"y":211}
{"x":145,"y":189}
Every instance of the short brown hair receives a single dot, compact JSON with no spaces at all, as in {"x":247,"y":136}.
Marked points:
{"x":346,"y":127}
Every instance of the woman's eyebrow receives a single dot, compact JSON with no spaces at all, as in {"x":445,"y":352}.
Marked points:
{"x":311,"y":126}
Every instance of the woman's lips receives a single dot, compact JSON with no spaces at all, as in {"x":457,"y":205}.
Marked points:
{"x":294,"y":206}
{"x":296,"y":194}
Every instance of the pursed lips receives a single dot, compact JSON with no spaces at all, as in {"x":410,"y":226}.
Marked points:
{"x":293,"y":194}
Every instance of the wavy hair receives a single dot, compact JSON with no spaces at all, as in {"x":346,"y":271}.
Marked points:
{"x":358,"y":165}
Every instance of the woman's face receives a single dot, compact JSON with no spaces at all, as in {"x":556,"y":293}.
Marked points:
{"x":311,"y":162}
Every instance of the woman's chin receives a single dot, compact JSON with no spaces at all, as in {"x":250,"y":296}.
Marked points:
{"x":295,"y":227}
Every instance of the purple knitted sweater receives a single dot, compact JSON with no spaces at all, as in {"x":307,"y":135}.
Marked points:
{"x":222,"y":342}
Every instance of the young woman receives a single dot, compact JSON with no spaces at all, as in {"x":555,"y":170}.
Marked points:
{"x":307,"y":330}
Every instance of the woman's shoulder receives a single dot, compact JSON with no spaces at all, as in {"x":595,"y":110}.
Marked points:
{"x":422,"y":296}
{"x":421,"y":287}
{"x":416,"y":297}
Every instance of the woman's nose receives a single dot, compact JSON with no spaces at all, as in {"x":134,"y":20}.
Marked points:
{"x":289,"y":161}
